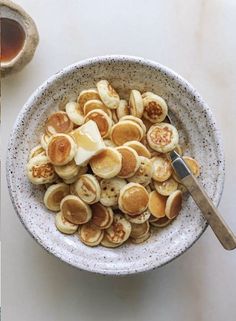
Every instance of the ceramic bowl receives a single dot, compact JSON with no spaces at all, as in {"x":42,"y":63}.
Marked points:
{"x":198,"y":135}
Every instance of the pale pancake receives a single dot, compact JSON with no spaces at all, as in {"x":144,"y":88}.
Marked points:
{"x":139,"y":148}
{"x":143,"y":175}
{"x":133,"y":199}
{"x":136,"y":120}
{"x":155,"y":108}
{"x":58,"y":122}
{"x":75,"y":210}
{"x":86,"y":95}
{"x":157,"y":204}
{"x":54,"y":194}
{"x":163,"y":137}
{"x":95,"y":104}
{"x":125,"y":131}
{"x":130,"y":161}
{"x":162,"y":169}
{"x":167,"y":187}
{"x":40,"y":170}
{"x":107,"y":164}
{"x":119,"y":231}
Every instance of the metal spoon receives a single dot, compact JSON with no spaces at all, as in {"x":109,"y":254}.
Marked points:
{"x":210,"y":212}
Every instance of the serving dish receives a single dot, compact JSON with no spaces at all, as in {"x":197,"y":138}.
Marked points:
{"x":198,"y":133}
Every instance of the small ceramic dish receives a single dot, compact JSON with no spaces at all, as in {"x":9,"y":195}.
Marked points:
{"x":198,"y":135}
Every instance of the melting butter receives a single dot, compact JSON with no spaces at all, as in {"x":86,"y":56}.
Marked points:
{"x":85,"y":141}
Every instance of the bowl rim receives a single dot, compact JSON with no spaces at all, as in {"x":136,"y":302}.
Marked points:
{"x":100,"y":59}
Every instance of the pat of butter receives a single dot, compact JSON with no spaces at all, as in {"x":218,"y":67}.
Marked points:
{"x":89,"y":142}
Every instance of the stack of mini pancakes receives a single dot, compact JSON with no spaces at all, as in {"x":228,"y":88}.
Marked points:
{"x":104,"y":162}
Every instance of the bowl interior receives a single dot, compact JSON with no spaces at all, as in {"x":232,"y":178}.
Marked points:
{"x":198,"y":135}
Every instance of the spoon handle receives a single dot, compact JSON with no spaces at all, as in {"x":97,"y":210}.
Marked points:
{"x":210,"y":212}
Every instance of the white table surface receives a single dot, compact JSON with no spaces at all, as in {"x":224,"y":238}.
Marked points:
{"x":196,"y":39}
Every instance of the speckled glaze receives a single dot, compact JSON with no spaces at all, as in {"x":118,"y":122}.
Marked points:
{"x":198,"y":134}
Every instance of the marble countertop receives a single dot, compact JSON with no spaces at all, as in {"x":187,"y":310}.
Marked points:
{"x":196,"y":39}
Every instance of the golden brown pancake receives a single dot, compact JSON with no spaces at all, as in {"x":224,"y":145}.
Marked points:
{"x":130,"y":161}
{"x":157,"y":204}
{"x":95,"y":104}
{"x":75,"y":210}
{"x":139,"y":230}
{"x":173,"y":204}
{"x":101,"y":119}
{"x":102,"y":216}
{"x":133,"y":199}
{"x":125,"y":131}
{"x":58,"y":122}
{"x":59,"y":149}
{"x":90,"y":235}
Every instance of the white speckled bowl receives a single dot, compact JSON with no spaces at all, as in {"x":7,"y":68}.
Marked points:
{"x":198,"y":132}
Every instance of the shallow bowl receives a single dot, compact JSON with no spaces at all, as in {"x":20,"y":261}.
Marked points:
{"x":198,"y":135}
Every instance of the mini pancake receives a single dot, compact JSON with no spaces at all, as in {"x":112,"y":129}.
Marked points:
{"x":130,"y":161}
{"x":96,"y":104}
{"x":192,"y":165}
{"x":119,"y":231}
{"x":161,"y":222}
{"x":37,"y":150}
{"x":125,"y":131}
{"x":40,"y":170}
{"x":75,"y":210}
{"x":110,"y":190}
{"x":54,"y":194}
{"x":65,"y":226}
{"x":67,"y":171}
{"x":61,"y":149}
{"x":44,"y":139}
{"x":163,"y":137}
{"x":136,"y":120}
{"x":136,"y":103}
{"x":106,"y":164}
{"x":90,"y":235}
{"x":167,"y":187}
{"x":173,"y":204}
{"x":139,"y":148}
{"x":82,"y":171}
{"x":88,"y":188}
{"x":123,"y":109}
{"x":139,"y":219}
{"x":58,"y":122}
{"x":162,"y":169}
{"x":108,"y":94}
{"x":139,"y":230}
{"x":157,"y":204}
{"x":133,"y":199}
{"x":86,"y":95}
{"x":105,"y":242}
{"x":155,"y":108}
{"x":102,"y":217}
{"x":140,"y":240}
{"x":143,"y":175}
{"x":75,"y":113}
{"x":102,"y":120}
